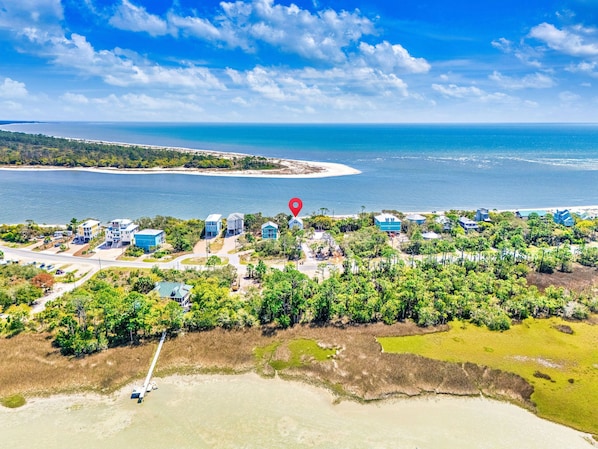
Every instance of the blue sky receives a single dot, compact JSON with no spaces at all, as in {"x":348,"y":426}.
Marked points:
{"x":303,"y":61}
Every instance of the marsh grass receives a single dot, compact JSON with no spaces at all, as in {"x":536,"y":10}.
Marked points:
{"x":292,"y":354}
{"x":561,"y":366}
{"x":13,"y":401}
{"x":358,"y":370}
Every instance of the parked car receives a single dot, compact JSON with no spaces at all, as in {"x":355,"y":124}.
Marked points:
{"x":59,"y":272}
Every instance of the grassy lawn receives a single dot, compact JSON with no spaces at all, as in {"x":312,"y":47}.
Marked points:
{"x":562,"y":366}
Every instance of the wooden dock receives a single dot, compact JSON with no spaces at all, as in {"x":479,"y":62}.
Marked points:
{"x":148,"y":378}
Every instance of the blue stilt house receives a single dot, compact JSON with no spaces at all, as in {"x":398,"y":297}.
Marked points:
{"x":387,"y":223}
{"x":270,"y":230}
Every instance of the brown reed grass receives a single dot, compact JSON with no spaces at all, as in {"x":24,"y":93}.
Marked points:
{"x":31,"y":366}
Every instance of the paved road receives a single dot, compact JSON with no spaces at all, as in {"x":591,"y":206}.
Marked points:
{"x":90,"y":265}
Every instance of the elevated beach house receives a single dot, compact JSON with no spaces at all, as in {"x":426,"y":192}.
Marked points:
{"x":525,"y":214}
{"x":235,"y":223}
{"x":88,"y":230}
{"x":176,"y":291}
{"x":416,"y":218}
{"x":213,"y":225}
{"x":563,"y":217}
{"x":120,"y":231}
{"x":468,"y":224}
{"x":149,"y":239}
{"x":387,"y":223}
{"x":446,"y":223}
{"x":482,"y":215}
{"x":296,"y":223}
{"x":269,"y":230}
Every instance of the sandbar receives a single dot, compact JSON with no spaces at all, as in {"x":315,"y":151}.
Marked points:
{"x":290,"y":168}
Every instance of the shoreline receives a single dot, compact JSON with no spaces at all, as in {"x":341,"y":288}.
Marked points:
{"x":294,"y":169}
{"x":111,"y":372}
{"x":291,"y":168}
{"x":117,"y":411}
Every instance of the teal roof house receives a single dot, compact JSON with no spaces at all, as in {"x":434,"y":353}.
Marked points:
{"x":525,"y":214}
{"x":387,"y":223}
{"x":416,"y":218}
{"x":269,"y":230}
{"x":563,"y":217}
{"x":213,"y":225}
{"x":176,"y":291}
{"x":149,"y":239}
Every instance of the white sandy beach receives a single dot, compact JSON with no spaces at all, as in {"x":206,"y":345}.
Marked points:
{"x":216,"y":411}
{"x":291,"y":168}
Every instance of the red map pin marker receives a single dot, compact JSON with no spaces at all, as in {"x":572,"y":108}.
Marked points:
{"x":295,"y":204}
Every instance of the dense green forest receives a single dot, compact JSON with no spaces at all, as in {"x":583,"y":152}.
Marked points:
{"x":19,"y":149}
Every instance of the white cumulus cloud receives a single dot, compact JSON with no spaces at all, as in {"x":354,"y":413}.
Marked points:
{"x":533,"y":81}
{"x":322,"y":35}
{"x":72,"y":98}
{"x":575,"y":41}
{"x":10,"y":88}
{"x":136,"y":18}
{"x":472,"y":93}
{"x":392,"y":57}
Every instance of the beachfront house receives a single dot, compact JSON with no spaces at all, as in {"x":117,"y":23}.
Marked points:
{"x":88,"y":230}
{"x":563,"y":217}
{"x":482,"y":215}
{"x":416,"y":218}
{"x":149,"y":239}
{"x":387,"y":223}
{"x":120,"y":231}
{"x":270,"y":230}
{"x":431,"y":235}
{"x":213,"y":225}
{"x":468,"y":224}
{"x":525,"y":214}
{"x":296,"y":223}
{"x":176,"y":291}
{"x":235,"y":223}
{"x":446,"y":223}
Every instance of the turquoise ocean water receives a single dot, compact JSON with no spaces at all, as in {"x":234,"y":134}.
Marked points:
{"x":404,"y":167}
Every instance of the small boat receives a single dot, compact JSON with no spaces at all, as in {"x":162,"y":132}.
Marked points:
{"x":136,"y":392}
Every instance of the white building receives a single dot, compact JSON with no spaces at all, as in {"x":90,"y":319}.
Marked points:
{"x":120,"y":232}
{"x":235,"y":223}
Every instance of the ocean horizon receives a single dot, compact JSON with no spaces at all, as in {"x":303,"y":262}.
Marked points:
{"x":411,"y":167}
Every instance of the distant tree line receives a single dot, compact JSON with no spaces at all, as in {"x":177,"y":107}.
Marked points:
{"x":20,"y":149}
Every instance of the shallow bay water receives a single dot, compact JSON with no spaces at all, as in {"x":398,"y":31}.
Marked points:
{"x":403,"y":167}
{"x":250,"y":412}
